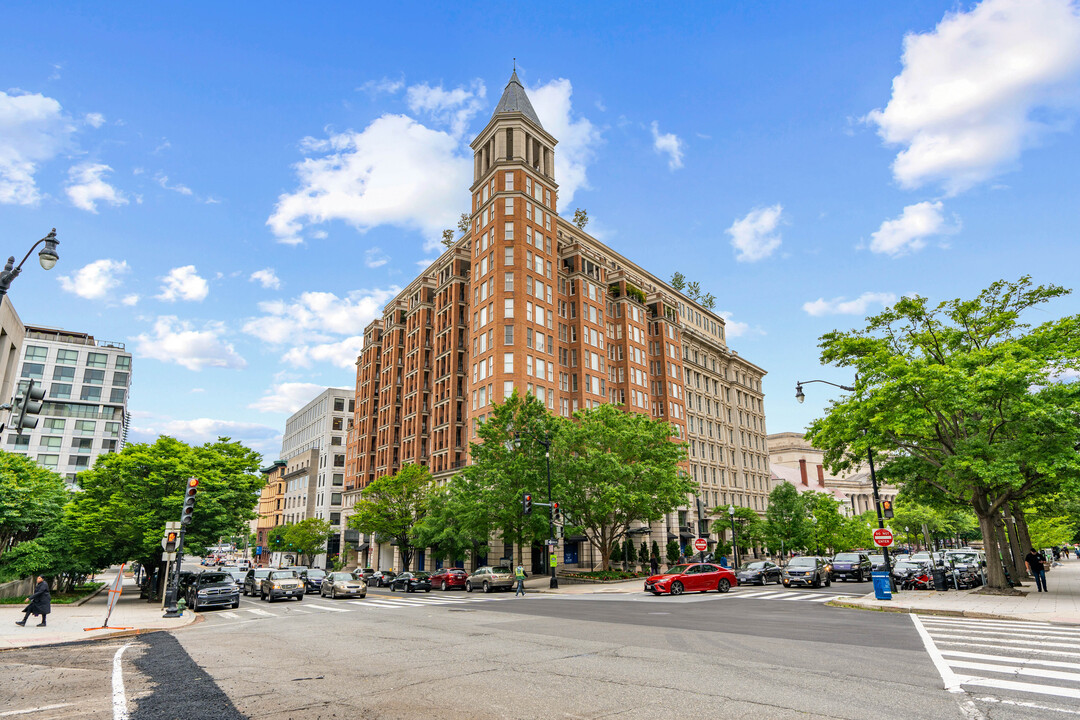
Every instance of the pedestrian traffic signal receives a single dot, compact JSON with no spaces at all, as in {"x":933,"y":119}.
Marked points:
{"x":526,"y":502}
{"x":27,"y":406}
{"x":169,"y":541}
{"x":189,"y":500}
{"x":886,"y":508}
{"x":555,"y":514}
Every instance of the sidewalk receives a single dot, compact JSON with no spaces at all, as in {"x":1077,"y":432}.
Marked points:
{"x":66,"y":622}
{"x":1060,"y":604}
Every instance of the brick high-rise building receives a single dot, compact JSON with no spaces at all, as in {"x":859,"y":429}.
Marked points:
{"x":527,"y":300}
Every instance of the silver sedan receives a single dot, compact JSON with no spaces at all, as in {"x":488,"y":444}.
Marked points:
{"x":342,"y":584}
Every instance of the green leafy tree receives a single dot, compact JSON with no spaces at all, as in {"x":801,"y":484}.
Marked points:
{"x":464,"y":223}
{"x":509,"y":461}
{"x":308,"y":537}
{"x":391,"y":506}
{"x":447,"y":237}
{"x":827,"y":523}
{"x":673,"y":552}
{"x":615,"y":468}
{"x":456,"y":522}
{"x":655,"y":551}
{"x":678,"y":281}
{"x":961,"y":398}
{"x":643,"y":553}
{"x":127,"y":497}
{"x":748,"y":526}
{"x":786,"y":527}
{"x":31,"y":499}
{"x":581,"y":218}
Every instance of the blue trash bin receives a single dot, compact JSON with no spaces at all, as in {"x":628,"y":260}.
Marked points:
{"x":882,"y":586}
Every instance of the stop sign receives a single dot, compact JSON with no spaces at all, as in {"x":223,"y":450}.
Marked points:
{"x":701,"y":544}
{"x":883,"y":537}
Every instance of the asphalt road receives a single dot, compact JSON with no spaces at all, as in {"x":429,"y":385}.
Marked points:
{"x":753,"y":653}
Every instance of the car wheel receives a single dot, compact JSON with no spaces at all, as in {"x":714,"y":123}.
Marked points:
{"x":487,"y":588}
{"x":468,"y":587}
{"x":393,"y":587}
{"x":333,"y":593}
{"x":817,"y":582}
{"x":828,"y":582}
{"x":787,"y":584}
{"x":779,"y":579}
{"x":676,"y":588}
{"x":723,"y":586}
{"x":428,"y":589}
{"x":300,"y":598}
{"x":363,"y":595}
{"x":858,"y":576}
{"x":443,"y":588}
{"x":194,"y":604}
{"x":761,"y":582}
{"x":262,"y":595}
{"x":236,"y":604}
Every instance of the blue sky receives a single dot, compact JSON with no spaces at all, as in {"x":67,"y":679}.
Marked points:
{"x":237,"y":192}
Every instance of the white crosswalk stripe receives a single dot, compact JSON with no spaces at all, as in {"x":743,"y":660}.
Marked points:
{"x":1015,"y":660}
{"x":371,"y":602}
{"x":258,"y":611}
{"x":327,"y":608}
{"x":787,"y":596}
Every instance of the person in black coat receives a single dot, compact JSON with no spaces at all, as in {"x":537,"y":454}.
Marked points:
{"x":1038,"y":571}
{"x":40,"y":603}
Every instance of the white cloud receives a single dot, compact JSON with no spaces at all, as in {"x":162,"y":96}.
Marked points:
{"x":979,"y":88}
{"x":733,"y":328}
{"x":33,"y":129}
{"x":130,"y":300}
{"x":95,"y":280}
{"x":287,"y":397}
{"x":578,"y":138}
{"x":262,"y":438}
{"x":755,"y":237}
{"x":163,"y":180}
{"x":86,"y":187}
{"x":668,"y":144}
{"x":375,"y":257}
{"x":319,"y":326}
{"x":175,"y":340}
{"x":842,"y":306}
{"x":386,"y":85}
{"x":395,"y":172}
{"x":449,"y":107}
{"x":94,"y":120}
{"x":183,"y":283}
{"x":341,"y":354}
{"x":908,"y":232}
{"x":267,"y":278}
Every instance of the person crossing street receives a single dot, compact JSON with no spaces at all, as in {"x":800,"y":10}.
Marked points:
{"x":519,"y":574}
{"x":40,"y":603}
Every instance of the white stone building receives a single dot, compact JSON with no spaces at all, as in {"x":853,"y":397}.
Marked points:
{"x":87,"y":385}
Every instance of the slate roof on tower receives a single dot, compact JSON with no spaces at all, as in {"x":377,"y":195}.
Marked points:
{"x":515,"y":100}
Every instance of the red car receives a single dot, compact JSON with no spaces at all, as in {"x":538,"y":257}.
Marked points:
{"x":449,"y":578}
{"x":692,"y":577}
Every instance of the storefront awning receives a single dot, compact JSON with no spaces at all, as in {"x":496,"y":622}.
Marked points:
{"x":575,"y":538}
{"x":686,"y":534}
{"x":362,"y":547}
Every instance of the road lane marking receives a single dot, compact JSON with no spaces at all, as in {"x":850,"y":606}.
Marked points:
{"x":987,"y":646}
{"x":298,"y":611}
{"x":327,"y":608}
{"x":1004,"y":658}
{"x":1017,"y":670}
{"x":119,"y":699}
{"x":1025,"y":687}
{"x":978,"y":640}
{"x":1024,"y":624}
{"x":259,"y":611}
{"x":1040,"y":634}
{"x":27,"y":711}
{"x":230,"y":615}
{"x":951,"y":679}
{"x":1035,"y":706}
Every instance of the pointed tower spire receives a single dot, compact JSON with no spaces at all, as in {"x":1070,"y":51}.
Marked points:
{"x":514,"y":100}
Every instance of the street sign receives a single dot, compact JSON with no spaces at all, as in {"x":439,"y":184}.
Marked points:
{"x":701,"y":544}
{"x":258,"y":549}
{"x":169,"y":557}
{"x":552,"y":542}
{"x":883,"y":537}
{"x":172,"y":526}
{"x":554,"y":560}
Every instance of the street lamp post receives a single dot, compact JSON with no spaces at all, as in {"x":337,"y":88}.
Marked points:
{"x":870,"y":456}
{"x":734,"y":540}
{"x":47,"y":257}
{"x":545,"y":441}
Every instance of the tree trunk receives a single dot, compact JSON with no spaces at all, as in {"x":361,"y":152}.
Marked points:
{"x":1022,"y":531}
{"x":995,"y":571}
{"x":1015,"y":545}
{"x":1006,"y":550}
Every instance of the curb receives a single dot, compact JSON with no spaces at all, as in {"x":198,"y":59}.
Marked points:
{"x":91,"y":596}
{"x":942,"y":613}
{"x":107,"y":636}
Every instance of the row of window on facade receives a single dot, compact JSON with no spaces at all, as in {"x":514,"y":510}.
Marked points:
{"x":37,"y":353}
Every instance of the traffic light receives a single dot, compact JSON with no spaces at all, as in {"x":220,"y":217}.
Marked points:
{"x":555,"y":514}
{"x":886,"y":508}
{"x":189,"y":500}
{"x":169,"y":542}
{"x":27,"y":406}
{"x":526,"y":502}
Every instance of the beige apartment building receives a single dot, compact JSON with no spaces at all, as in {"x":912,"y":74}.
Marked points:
{"x":526,"y":300}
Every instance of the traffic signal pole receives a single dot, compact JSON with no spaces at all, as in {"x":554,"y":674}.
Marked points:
{"x":174,"y":579}
{"x":880,"y":518}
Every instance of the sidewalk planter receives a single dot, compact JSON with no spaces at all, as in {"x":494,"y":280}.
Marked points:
{"x":882,"y":587}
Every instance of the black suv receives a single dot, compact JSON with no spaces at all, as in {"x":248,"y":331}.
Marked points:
{"x":807,"y":570}
{"x":211,"y":588}
{"x":854,"y":565}
{"x":313,"y":579}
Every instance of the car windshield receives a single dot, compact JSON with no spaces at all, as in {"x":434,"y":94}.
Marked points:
{"x":963,"y":557}
{"x":802,"y":562}
{"x":921,"y":556}
{"x":342,"y":576}
{"x":877,"y":558}
{"x":677,"y":570}
{"x":501,"y":569}
{"x":847,"y":557}
{"x":207,"y":578}
{"x":753,"y":566}
{"x":421,"y":575}
{"x":904,"y":565}
{"x":261,"y":573}
{"x":282,"y":574}
{"x":238,"y":575}
{"x":316,"y":573}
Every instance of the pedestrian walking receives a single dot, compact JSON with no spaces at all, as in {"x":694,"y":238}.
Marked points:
{"x":1038,"y":570}
{"x":519,"y":573}
{"x":40,"y":603}
{"x":654,"y":565}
